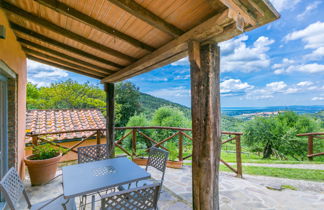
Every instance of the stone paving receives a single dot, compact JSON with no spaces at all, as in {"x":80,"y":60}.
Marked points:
{"x":241,"y":194}
{"x":235,"y":193}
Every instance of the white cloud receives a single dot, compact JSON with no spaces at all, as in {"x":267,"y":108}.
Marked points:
{"x":305,"y":83}
{"x":286,"y":68}
{"x":276,"y":86}
{"x":182,"y":62}
{"x":237,"y":56}
{"x":234,"y":85}
{"x":318,"y":99}
{"x":312,"y":36}
{"x":174,"y":92}
{"x":54,"y":73}
{"x":182,"y":77}
{"x":42,"y":75}
{"x":281,"y":5}
{"x":309,"y":9}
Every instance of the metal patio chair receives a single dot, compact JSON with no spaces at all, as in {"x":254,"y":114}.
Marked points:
{"x":158,"y":160}
{"x":145,"y":197}
{"x":92,"y":153}
{"x":13,"y":188}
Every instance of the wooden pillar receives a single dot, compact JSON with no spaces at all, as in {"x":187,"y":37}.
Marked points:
{"x":238,"y":156}
{"x":310,"y":147}
{"x":205,"y":105}
{"x":98,"y":135}
{"x":110,"y":125}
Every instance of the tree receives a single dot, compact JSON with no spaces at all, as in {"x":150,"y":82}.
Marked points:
{"x":128,"y":96}
{"x":276,"y":135}
{"x":168,"y":117}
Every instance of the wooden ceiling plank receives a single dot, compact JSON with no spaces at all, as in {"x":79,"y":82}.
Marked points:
{"x":53,"y":42}
{"x":62,"y":31}
{"x":202,"y":32}
{"x":63,"y":62}
{"x":147,"y":16}
{"x":25,"y":42}
{"x":75,"y":14}
{"x":31,"y":57}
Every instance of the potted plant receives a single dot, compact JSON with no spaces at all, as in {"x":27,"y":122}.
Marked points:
{"x":173,"y":155}
{"x":42,"y":164}
{"x":140,"y":159}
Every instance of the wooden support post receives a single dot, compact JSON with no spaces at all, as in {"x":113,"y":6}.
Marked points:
{"x":205,"y":105}
{"x":310,"y":147}
{"x":110,"y":125}
{"x":98,"y":135}
{"x":134,"y":143}
{"x":180,"y":146}
{"x":238,"y":156}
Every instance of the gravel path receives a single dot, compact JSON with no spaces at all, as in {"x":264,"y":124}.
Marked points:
{"x":300,"y":166}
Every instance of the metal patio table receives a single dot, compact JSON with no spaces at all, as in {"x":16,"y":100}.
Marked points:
{"x":86,"y":178}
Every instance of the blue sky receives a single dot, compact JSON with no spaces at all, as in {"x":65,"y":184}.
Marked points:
{"x":281,"y":63}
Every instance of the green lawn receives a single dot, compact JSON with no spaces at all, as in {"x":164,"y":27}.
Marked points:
{"x":290,"y":173}
{"x":253,"y":158}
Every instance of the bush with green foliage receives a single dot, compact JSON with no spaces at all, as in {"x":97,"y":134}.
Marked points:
{"x":45,"y":151}
{"x":276,"y":135}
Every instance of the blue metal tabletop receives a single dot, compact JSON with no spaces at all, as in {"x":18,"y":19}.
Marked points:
{"x":85,"y":178}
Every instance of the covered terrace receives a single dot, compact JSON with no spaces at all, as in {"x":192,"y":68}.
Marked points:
{"x":113,"y":40}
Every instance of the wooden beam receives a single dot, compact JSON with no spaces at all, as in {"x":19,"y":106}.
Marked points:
{"x":202,"y":32}
{"x":40,"y":60}
{"x":110,"y":124}
{"x":55,"y":43}
{"x":63,"y":62}
{"x":63,"y":32}
{"x":205,"y":105}
{"x":73,"y":13}
{"x":238,"y":9}
{"x":147,"y":16}
{"x":100,"y":69}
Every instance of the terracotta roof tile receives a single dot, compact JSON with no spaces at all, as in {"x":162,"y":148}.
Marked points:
{"x":56,"y":120}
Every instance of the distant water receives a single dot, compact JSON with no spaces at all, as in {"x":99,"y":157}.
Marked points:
{"x":235,"y":111}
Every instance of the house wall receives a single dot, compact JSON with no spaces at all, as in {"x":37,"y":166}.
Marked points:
{"x":14,"y":58}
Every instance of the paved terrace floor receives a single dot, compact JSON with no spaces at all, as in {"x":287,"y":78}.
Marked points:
{"x":235,"y":193}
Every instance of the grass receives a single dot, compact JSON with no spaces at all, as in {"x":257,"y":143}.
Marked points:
{"x":290,"y":173}
{"x":253,"y":158}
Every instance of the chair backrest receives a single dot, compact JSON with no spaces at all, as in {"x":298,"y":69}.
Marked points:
{"x":13,"y":188}
{"x":92,"y":153}
{"x":145,"y":197}
{"x":157,"y":159}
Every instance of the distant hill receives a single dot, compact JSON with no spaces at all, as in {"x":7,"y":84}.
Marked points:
{"x":151,"y":103}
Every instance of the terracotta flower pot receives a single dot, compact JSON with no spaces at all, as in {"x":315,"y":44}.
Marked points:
{"x":170,"y":164}
{"x":140,"y":161}
{"x":42,"y":171}
{"x":174,"y":164}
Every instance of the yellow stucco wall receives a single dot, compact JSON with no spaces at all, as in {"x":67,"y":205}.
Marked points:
{"x":12,"y":55}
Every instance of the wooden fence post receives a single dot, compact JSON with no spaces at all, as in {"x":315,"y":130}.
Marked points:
{"x":98,"y":136}
{"x":310,"y":147}
{"x":238,"y":156}
{"x":180,"y":146}
{"x":35,"y":140}
{"x":134,"y":143}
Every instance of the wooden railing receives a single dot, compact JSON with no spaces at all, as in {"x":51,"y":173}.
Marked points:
{"x":311,"y":137}
{"x":179,"y":135}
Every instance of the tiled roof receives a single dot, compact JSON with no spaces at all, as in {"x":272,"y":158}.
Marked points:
{"x":56,"y":120}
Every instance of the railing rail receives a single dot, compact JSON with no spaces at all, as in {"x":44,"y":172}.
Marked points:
{"x":135,"y":131}
{"x":310,"y":149}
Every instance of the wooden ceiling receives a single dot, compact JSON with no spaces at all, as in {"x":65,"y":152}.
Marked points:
{"x":113,"y":40}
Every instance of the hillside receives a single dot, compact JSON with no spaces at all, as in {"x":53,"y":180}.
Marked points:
{"x":151,"y":103}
